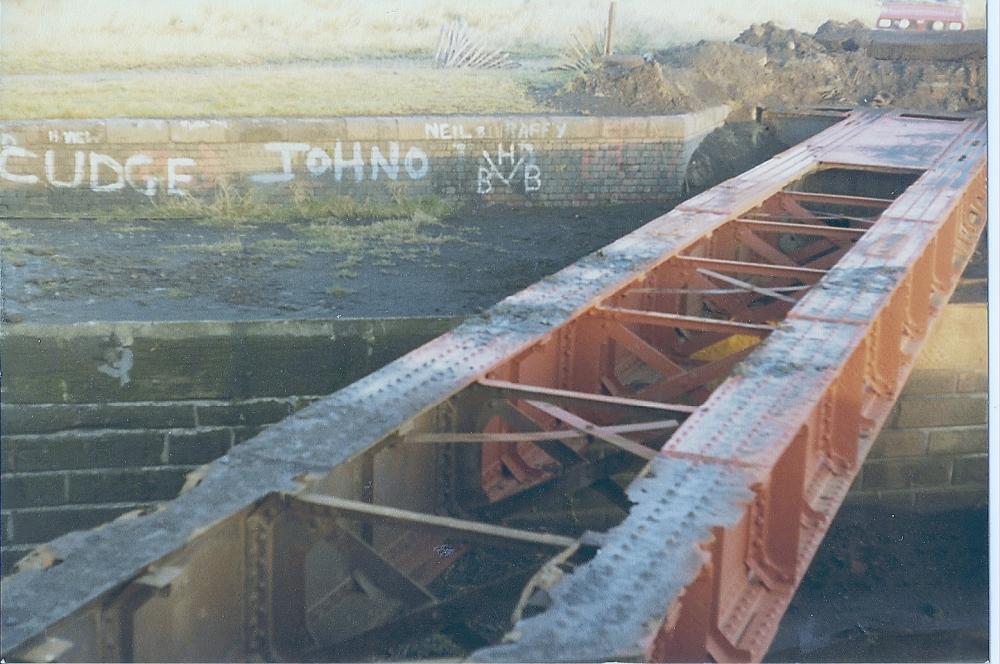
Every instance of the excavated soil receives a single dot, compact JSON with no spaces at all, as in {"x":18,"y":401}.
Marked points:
{"x":773,"y":67}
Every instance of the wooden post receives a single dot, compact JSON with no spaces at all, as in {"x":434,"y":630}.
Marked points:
{"x":611,"y":23}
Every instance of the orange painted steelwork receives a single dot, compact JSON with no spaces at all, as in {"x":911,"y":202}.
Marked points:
{"x":772,"y":451}
{"x":736,"y":355}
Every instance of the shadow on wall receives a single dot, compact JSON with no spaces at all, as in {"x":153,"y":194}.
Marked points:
{"x":104,"y":418}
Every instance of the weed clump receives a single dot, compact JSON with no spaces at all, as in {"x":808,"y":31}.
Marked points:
{"x":231,"y":206}
{"x":339,"y":291}
{"x":381,"y":231}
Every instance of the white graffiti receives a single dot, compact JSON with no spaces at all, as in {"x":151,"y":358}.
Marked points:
{"x":173,"y":177}
{"x":506,"y":165}
{"x":449,"y":131}
{"x":318,"y":161}
{"x":79,"y":137}
{"x":507,"y":129}
{"x":50,"y":170}
{"x":534,"y":129}
{"x":15,"y":151}
{"x":106,"y":174}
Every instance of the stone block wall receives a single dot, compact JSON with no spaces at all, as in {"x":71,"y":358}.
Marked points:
{"x":932,"y":453}
{"x":99,"y":419}
{"x":52,"y":166}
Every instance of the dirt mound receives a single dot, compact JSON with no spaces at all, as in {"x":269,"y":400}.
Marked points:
{"x":840,"y":36}
{"x":836,"y":29}
{"x":642,"y":89}
{"x":770,"y":66}
{"x":839,"y":26}
{"x":775,"y":68}
{"x":705,"y":55}
{"x":778,"y":40}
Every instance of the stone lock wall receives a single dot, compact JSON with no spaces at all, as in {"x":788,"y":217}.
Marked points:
{"x":932,"y":453}
{"x":98,"y":419}
{"x":48,"y":166}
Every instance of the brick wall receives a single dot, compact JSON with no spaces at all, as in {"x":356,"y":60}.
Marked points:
{"x":49,"y":166}
{"x":931,"y":455}
{"x":100,"y":419}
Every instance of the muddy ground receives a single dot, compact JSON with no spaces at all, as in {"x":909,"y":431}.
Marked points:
{"x":60,"y":272}
{"x":893,"y":587}
{"x":55,"y":271}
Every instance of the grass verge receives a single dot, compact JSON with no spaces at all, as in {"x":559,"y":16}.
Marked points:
{"x":289,"y":91}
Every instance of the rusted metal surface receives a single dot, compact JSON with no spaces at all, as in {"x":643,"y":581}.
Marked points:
{"x":716,"y":376}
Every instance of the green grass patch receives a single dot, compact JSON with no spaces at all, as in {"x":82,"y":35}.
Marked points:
{"x":384,"y":239}
{"x":8,"y":232}
{"x":339,"y":291}
{"x":357,"y":232}
{"x":223,"y":248}
{"x":274,"y":245}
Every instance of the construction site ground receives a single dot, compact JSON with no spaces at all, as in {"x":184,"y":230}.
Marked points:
{"x":892,"y":586}
{"x":773,"y":67}
{"x":765,"y":66}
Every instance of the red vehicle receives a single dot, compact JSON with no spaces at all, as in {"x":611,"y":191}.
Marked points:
{"x":922,"y":16}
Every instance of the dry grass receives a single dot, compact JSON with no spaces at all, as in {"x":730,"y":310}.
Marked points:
{"x":231,"y":207}
{"x":414,"y":235}
{"x":87,"y":35}
{"x":290,"y":91}
{"x":355,"y":230}
{"x":8,"y":232}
